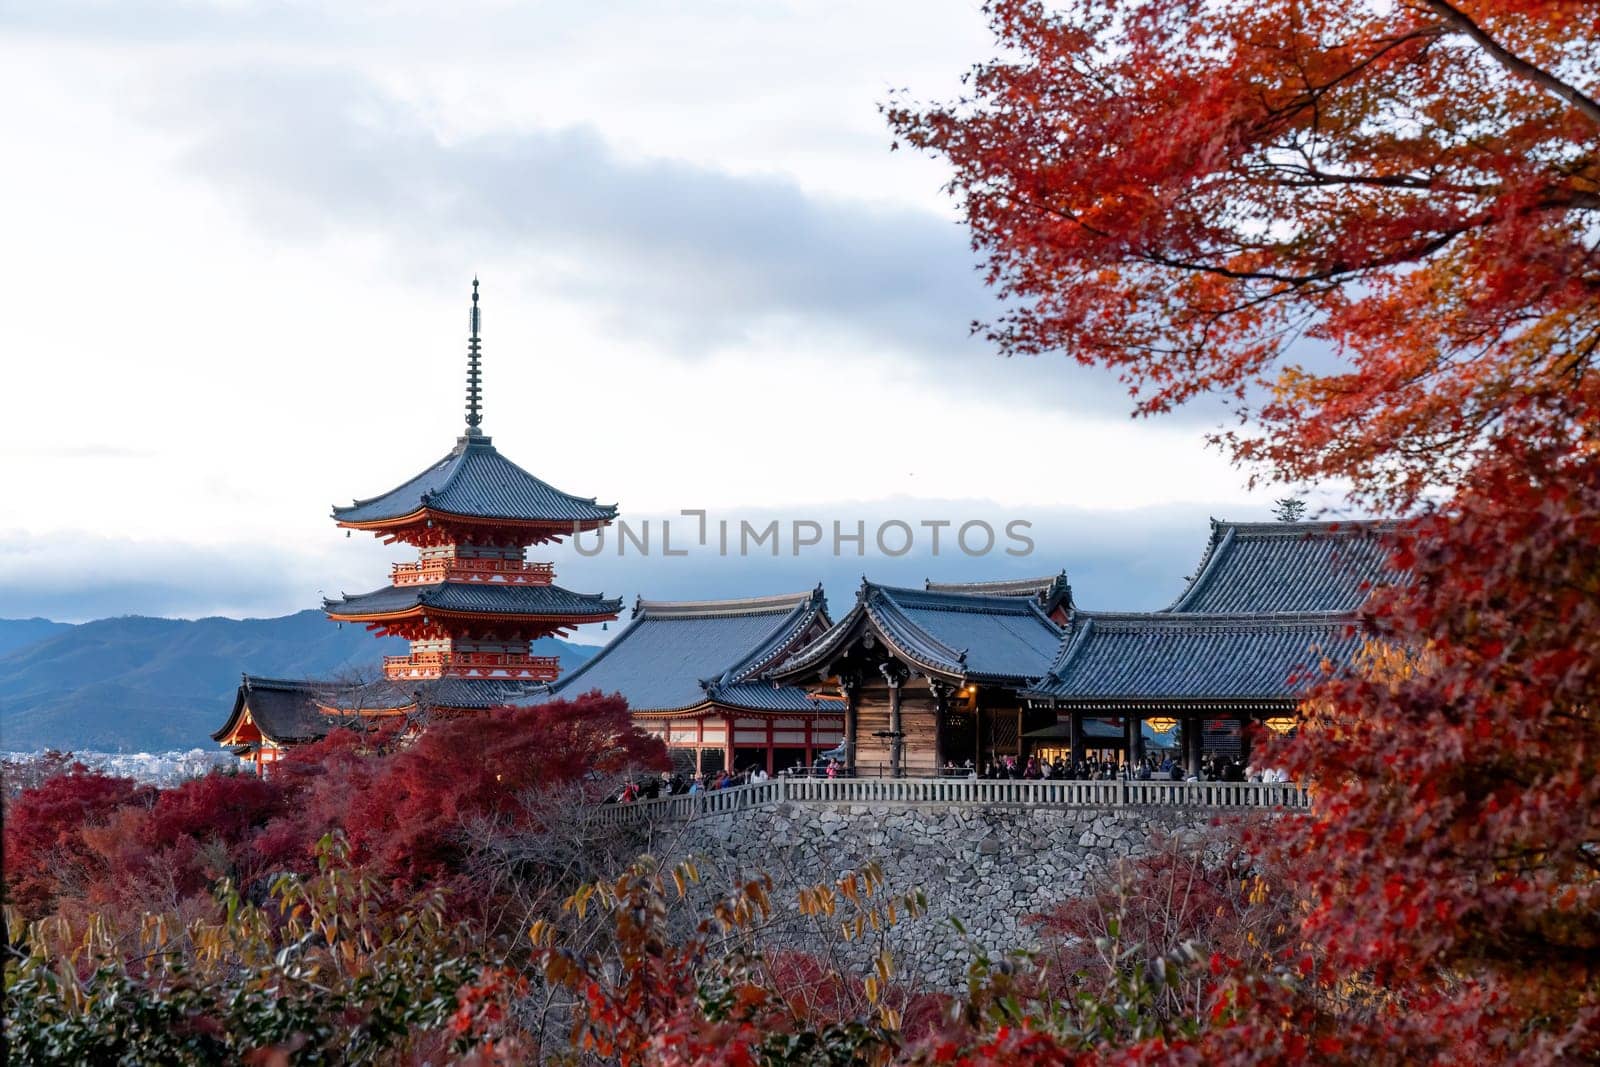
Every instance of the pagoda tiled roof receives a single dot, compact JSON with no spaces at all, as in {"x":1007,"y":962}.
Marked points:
{"x":284,"y":711}
{"x":679,"y":655}
{"x":482,"y":598}
{"x":1288,"y":566}
{"x":476,"y":480}
{"x":469,"y":694}
{"x":1006,"y":639}
{"x":473,"y":693}
{"x":1196,"y":658}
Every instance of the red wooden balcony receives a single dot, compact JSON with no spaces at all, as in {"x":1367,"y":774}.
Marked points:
{"x":488,"y":571}
{"x":507,"y":665}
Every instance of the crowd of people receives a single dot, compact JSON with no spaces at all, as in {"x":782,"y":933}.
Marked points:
{"x":1160,"y":768}
{"x":677,"y":784}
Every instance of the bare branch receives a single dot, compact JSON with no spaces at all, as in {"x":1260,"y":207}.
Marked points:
{"x":1586,"y":105}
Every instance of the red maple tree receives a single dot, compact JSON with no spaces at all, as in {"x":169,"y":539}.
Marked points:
{"x":84,"y":840}
{"x":1373,"y":227}
{"x":44,"y":845}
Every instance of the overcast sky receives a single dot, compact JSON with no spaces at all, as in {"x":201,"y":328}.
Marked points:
{"x":239,"y":239}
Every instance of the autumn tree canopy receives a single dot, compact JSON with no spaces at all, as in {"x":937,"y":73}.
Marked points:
{"x":1210,"y":196}
{"x":1375,"y":228}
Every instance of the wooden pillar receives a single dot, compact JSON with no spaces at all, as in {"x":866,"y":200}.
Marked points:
{"x":1133,"y":736}
{"x":895,"y":731}
{"x":1075,"y":735}
{"x":727,"y":744}
{"x":1246,"y":729}
{"x":977,"y":732}
{"x":1194,"y":743}
{"x":771,"y":742}
{"x":941,"y":702}
{"x":852,"y":703}
{"x":896,"y":680}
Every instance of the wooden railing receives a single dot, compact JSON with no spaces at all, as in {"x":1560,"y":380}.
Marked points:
{"x":487,"y":571}
{"x":964,"y":792}
{"x":472,"y":665}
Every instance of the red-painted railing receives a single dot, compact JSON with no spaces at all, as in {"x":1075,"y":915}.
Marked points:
{"x":472,"y":665}
{"x":488,"y":571}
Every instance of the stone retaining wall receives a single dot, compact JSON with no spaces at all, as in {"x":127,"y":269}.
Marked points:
{"x":991,"y":868}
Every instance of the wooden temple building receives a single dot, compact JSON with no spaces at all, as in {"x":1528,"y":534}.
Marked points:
{"x":930,"y":676}
{"x":692,"y":674}
{"x":987,"y":670}
{"x":1270,"y":607}
{"x":470,"y":603}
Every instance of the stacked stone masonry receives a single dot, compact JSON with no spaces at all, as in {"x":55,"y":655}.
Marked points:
{"x":991,"y":868}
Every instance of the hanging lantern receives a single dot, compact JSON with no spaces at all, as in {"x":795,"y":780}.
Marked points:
{"x":1162,"y":724}
{"x":1282,"y":724}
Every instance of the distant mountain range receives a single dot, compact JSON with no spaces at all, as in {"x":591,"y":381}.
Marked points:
{"x":137,"y":684}
{"x":15,"y":633}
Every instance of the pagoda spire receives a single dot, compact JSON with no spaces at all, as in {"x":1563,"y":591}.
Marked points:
{"x":474,"y":370}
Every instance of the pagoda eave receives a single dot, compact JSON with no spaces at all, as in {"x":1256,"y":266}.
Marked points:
{"x":430,"y":525}
{"x":376,"y":711}
{"x":421,"y":613}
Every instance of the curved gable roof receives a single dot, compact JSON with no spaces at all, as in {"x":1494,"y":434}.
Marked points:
{"x":1288,"y":567}
{"x":1165,"y":656}
{"x":959,"y":635}
{"x":676,"y":655}
{"x":476,"y":480}
{"x":283,"y":711}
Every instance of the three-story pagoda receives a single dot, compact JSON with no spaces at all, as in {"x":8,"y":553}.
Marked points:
{"x":471,"y":602}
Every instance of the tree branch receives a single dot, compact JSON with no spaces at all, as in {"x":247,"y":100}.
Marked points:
{"x":1514,"y":63}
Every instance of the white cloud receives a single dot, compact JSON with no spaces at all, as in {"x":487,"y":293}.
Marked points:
{"x":244,"y":233}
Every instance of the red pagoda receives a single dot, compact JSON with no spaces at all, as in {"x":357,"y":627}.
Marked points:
{"x":469,"y":605}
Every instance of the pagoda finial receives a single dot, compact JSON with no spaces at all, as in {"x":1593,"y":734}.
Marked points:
{"x":474,"y":371}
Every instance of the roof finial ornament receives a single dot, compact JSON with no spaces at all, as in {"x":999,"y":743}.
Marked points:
{"x":474,"y":370}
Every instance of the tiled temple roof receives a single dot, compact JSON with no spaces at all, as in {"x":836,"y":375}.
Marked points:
{"x":1050,"y":591}
{"x":484,"y":598}
{"x":468,"y":694}
{"x":1283,"y":566}
{"x":472,"y":693}
{"x":1197,"y":658}
{"x":476,"y":480}
{"x":956,"y":635}
{"x":298,"y":711}
{"x":284,"y":711}
{"x":679,"y":655}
